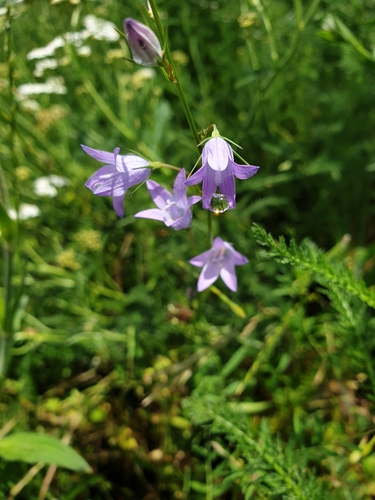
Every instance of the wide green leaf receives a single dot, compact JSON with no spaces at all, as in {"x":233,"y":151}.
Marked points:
{"x":32,"y":448}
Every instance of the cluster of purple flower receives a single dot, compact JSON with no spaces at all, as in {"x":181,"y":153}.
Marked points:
{"x":218,"y":170}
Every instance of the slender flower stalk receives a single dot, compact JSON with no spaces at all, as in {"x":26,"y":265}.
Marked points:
{"x":6,"y":328}
{"x":174,"y":75}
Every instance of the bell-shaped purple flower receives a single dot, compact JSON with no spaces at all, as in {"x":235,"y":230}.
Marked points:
{"x":218,"y":171}
{"x":143,"y":42}
{"x":119,"y":174}
{"x":219,"y":261}
{"x":173,"y":210}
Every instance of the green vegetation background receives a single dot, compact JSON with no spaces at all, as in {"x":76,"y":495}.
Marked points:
{"x":114,"y":339}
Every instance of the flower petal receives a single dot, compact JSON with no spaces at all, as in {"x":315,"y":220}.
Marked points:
{"x":201,"y":259}
{"x":227,"y":186}
{"x":151,"y":213}
{"x":209,"y":275}
{"x":102,"y":156}
{"x":244,"y":171}
{"x":159,"y":195}
{"x":182,"y":222}
{"x":102,"y":177}
{"x":228,"y":274}
{"x":217,"y":154}
{"x":118,"y":205}
{"x":193,"y":199}
{"x":179,"y":187}
{"x":130,"y":162}
{"x":196,"y":178}
{"x":209,"y":186}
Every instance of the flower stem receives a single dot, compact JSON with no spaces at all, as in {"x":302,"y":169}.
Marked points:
{"x":6,"y":329}
{"x":176,"y":80}
{"x":209,"y":227}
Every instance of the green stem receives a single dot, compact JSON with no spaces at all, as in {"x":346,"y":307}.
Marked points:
{"x":6,"y":330}
{"x":209,"y":226}
{"x":298,"y":9}
{"x":176,"y":79}
{"x":5,"y":354}
{"x":269,"y":28}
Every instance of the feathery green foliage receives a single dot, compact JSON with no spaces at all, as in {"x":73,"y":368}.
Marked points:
{"x":307,"y":256}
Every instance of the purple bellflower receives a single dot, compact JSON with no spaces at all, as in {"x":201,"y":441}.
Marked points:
{"x":218,"y":261}
{"x":115,"y":178}
{"x":173,"y":210}
{"x":143,"y":42}
{"x":218,"y":170}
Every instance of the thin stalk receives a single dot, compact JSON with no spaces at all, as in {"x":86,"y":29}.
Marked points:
{"x":310,"y":12}
{"x":269,"y":28}
{"x":10,"y":59}
{"x":209,"y":226}
{"x":6,"y":330}
{"x":298,"y":9}
{"x":176,"y":79}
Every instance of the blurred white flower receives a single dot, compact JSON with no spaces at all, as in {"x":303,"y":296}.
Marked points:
{"x":44,"y":64}
{"x":46,"y":186}
{"x":48,"y":50}
{"x":25,"y":211}
{"x":100,"y":29}
{"x":30,"y":105}
{"x":84,"y":51}
{"x":53,"y":85}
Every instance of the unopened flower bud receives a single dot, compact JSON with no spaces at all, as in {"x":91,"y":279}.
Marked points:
{"x":143,"y":43}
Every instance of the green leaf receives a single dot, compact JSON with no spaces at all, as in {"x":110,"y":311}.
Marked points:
{"x":33,"y":448}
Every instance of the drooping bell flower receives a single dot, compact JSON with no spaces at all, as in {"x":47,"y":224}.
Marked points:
{"x":119,"y":174}
{"x":173,"y":210}
{"x":145,"y":46}
{"x":220,"y":260}
{"x":218,"y":171}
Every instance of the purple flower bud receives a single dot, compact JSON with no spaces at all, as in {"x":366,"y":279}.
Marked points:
{"x":220,"y":260}
{"x":143,"y":42}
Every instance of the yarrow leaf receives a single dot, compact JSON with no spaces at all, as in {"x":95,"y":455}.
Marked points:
{"x":312,"y":259}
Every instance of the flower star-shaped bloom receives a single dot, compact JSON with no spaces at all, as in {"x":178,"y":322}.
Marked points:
{"x":119,"y":174}
{"x":143,"y":42}
{"x":219,"y":261}
{"x":218,"y":170}
{"x":173,"y":210}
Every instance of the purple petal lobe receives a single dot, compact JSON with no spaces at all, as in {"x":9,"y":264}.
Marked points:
{"x":193,"y":199}
{"x":118,"y":205}
{"x":195,"y":178}
{"x":151,"y":213}
{"x":159,"y":195}
{"x":101,"y":156}
{"x":228,"y":275}
{"x":130,"y":162}
{"x":217,"y":154}
{"x":179,"y":188}
{"x":244,"y":171}
{"x":209,"y":275}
